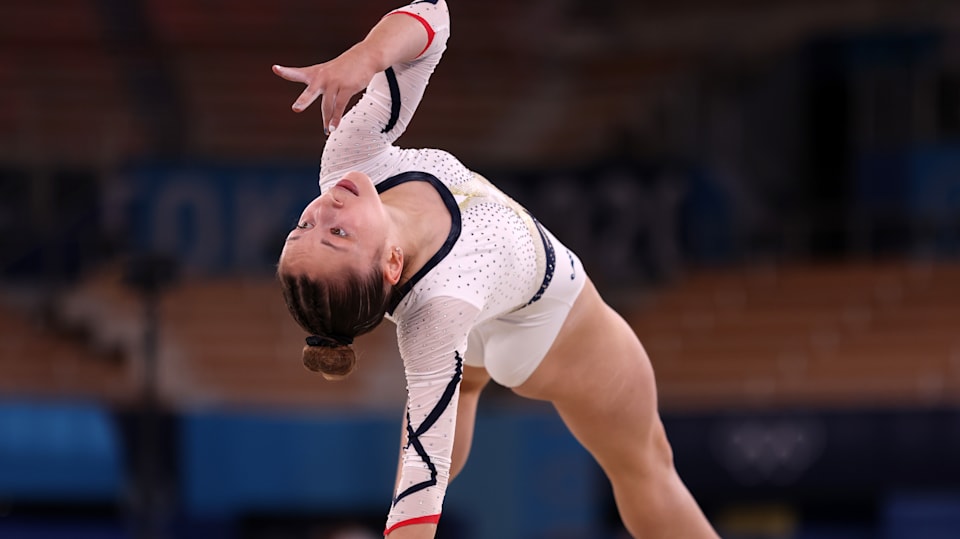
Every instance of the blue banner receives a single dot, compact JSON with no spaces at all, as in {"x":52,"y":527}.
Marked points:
{"x":218,"y":218}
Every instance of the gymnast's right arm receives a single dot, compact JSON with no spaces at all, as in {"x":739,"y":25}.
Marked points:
{"x":432,"y":338}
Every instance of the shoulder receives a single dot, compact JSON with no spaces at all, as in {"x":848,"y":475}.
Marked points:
{"x":440,"y":163}
{"x":436,"y":295}
{"x":441,"y":319}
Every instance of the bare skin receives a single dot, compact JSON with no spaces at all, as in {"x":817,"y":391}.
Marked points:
{"x":474,"y":380}
{"x":599,"y":378}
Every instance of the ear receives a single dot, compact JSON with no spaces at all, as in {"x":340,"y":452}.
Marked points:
{"x":393,"y":266}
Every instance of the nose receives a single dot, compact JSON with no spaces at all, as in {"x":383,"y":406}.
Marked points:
{"x":336,"y":203}
{"x":317,"y":212}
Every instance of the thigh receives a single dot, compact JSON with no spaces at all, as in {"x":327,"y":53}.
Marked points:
{"x":473,"y":381}
{"x":599,"y":378}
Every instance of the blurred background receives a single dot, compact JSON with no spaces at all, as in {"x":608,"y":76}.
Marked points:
{"x":769,"y":191}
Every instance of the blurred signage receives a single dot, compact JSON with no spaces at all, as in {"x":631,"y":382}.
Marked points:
{"x":922,"y":183}
{"x":626,"y":222}
{"x":219,"y":218}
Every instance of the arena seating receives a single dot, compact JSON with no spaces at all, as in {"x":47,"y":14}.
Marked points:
{"x":37,"y":361}
{"x":203,"y":70}
{"x":230,"y":342}
{"x":850,"y":334}
{"x":858,"y":334}
{"x":62,"y":93}
{"x":239,"y":344}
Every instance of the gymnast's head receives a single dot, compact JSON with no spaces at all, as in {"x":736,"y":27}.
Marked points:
{"x":338,"y":271}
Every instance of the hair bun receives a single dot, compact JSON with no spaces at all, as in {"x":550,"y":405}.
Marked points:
{"x":333,"y":360}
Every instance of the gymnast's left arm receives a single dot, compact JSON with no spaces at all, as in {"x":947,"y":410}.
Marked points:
{"x":393,"y":64}
{"x":392,"y":40}
{"x":432,"y":341}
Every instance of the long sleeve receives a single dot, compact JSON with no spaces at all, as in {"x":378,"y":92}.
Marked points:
{"x":364,"y":140}
{"x":432,"y":340}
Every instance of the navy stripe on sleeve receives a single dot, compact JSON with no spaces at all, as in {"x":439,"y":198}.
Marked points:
{"x":394,"y":99}
{"x":413,"y":436}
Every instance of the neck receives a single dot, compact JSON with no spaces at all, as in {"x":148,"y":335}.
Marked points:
{"x":412,"y":237}
{"x":420,"y":224}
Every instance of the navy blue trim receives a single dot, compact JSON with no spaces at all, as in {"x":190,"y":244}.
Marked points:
{"x":551,"y":256}
{"x":455,"y":226}
{"x":394,"y":99}
{"x":434,"y":2}
{"x":413,"y":436}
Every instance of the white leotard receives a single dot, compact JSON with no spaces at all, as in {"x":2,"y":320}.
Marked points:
{"x":494,"y":295}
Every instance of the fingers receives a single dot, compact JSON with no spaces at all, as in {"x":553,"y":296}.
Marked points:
{"x":301,"y":75}
{"x":339,"y":108}
{"x":294,"y":74}
{"x":336,"y":95}
{"x":331,"y":117}
{"x":308,"y":96}
{"x":334,"y":106}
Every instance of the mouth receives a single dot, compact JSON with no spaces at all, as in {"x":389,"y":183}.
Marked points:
{"x":349,"y":186}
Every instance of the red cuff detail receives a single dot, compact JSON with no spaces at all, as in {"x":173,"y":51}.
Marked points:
{"x":430,"y":32}
{"x":429,"y":519}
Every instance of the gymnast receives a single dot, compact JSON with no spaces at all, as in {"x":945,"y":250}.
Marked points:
{"x":478,"y":289}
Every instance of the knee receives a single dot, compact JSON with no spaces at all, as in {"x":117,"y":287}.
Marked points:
{"x":652,"y":459}
{"x":661,"y":452}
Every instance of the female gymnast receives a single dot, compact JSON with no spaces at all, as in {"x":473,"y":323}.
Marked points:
{"x":476,"y":286}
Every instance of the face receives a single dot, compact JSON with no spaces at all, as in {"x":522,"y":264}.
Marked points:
{"x":342,"y":230}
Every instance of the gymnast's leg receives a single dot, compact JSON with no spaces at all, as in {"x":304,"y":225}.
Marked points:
{"x":600,"y":380}
{"x":474,"y":380}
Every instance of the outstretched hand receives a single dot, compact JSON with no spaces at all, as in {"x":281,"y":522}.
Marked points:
{"x":337,"y":81}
